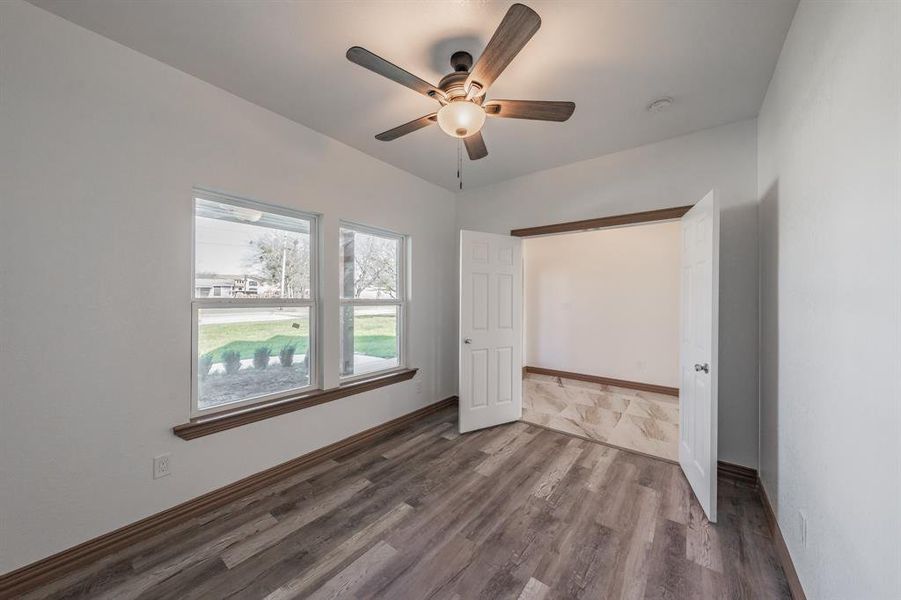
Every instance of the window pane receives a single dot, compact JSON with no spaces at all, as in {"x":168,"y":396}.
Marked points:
{"x":369,"y":265}
{"x":244,"y":353}
{"x":368,"y":339}
{"x":246,"y":253}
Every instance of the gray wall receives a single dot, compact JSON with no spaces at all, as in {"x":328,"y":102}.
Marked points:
{"x":99,"y":150}
{"x":671,"y":173}
{"x":829,"y":149}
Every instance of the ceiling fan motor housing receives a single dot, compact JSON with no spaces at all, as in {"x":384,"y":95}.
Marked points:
{"x":461,"y":61}
{"x":454,"y":84}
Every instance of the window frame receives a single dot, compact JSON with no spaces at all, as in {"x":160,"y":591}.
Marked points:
{"x":401,"y":302}
{"x":312,"y":303}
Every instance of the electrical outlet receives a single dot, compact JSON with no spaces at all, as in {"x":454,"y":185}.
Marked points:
{"x":161,"y":466}
{"x":802,"y":519}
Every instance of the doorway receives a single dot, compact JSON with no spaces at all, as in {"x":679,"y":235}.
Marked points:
{"x":601,"y":335}
{"x":492,"y":340}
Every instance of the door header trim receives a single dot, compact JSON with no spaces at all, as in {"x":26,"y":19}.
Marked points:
{"x":662,"y":214}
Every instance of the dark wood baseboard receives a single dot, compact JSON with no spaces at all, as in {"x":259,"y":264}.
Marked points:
{"x":623,"y":383}
{"x":737,"y":473}
{"x":785,"y":559}
{"x":16,"y":583}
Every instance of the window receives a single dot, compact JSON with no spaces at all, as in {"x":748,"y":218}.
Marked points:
{"x":254,"y":304}
{"x":372,"y":300}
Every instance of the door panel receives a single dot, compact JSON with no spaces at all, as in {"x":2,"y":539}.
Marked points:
{"x":505,"y":301}
{"x":479,"y":360}
{"x":698,"y":351}
{"x":504,"y":375}
{"x":480,"y":301}
{"x":490,"y":330}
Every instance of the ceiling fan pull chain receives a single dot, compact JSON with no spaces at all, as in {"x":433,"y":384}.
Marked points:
{"x":460,"y":162}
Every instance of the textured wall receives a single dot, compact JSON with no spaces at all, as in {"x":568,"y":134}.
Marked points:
{"x":829,"y":148}
{"x":100,"y":149}
{"x":605,"y":302}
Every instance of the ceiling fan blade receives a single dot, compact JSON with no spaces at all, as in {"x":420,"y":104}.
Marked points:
{"x":519,"y":25}
{"x":393,"y":134}
{"x":377,"y":64}
{"x":475,"y":146}
{"x":538,"y":110}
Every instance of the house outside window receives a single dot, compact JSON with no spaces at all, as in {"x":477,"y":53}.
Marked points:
{"x":373,"y":300}
{"x":254,"y":304}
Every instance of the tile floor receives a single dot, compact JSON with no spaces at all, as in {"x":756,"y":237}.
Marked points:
{"x":642,"y":421}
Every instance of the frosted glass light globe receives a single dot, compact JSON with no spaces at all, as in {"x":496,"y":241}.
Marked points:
{"x":461,"y":119}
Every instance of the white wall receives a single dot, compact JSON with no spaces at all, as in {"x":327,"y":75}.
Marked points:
{"x":99,"y":149}
{"x":670,"y":173}
{"x":829,"y":179}
{"x":605,"y":302}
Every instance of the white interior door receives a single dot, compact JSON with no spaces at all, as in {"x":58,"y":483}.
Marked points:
{"x":698,"y":352}
{"x":490,"y":386}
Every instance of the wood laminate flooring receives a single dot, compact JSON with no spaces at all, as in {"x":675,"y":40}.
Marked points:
{"x":515,"y":511}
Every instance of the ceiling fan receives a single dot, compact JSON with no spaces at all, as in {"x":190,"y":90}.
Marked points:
{"x":462,"y":93}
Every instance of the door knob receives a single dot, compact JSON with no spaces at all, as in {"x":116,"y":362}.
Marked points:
{"x":467,"y":341}
{"x":705,"y":367}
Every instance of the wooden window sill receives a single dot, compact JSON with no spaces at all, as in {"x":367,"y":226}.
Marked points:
{"x":208,"y":425}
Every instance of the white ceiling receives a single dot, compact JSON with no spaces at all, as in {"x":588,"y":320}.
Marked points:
{"x":714,"y":58}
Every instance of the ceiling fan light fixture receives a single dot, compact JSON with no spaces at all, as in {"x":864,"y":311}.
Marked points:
{"x":461,"y":119}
